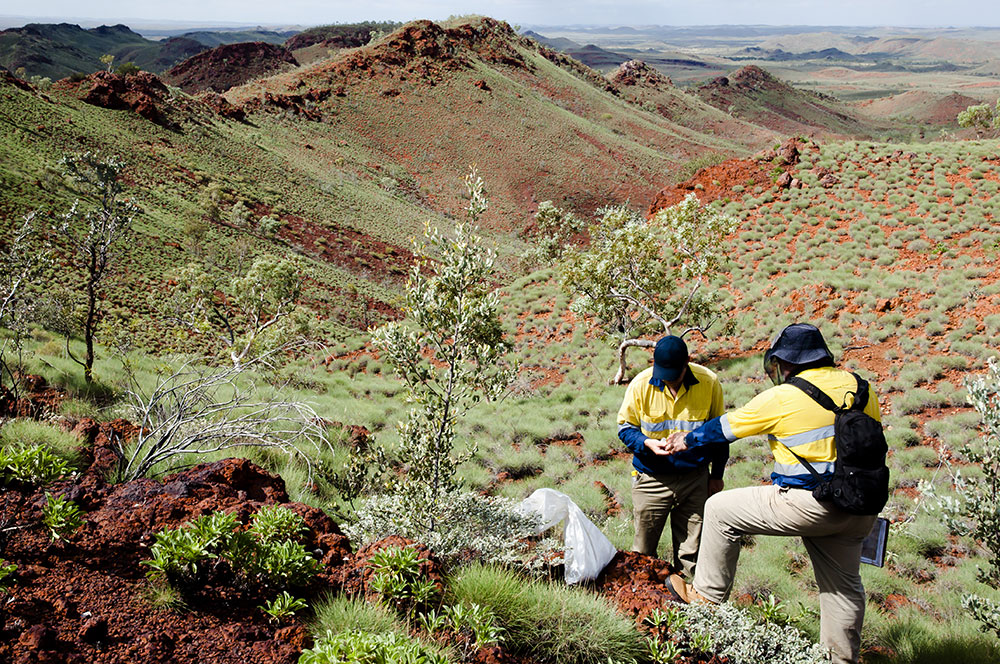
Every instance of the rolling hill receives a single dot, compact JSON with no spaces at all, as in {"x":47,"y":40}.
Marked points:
{"x":754,"y":94}
{"x":939,"y":109}
{"x":355,"y":153}
{"x":59,"y":50}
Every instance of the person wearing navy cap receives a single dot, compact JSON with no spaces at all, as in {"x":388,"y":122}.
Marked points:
{"x":673,"y":395}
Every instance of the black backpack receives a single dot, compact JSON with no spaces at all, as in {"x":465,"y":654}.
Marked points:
{"x":860,"y":482}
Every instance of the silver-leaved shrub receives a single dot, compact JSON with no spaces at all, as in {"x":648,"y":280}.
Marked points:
{"x":490,"y":528}
{"x":734,"y":633}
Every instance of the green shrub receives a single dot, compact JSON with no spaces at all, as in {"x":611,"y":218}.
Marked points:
{"x":265,"y":553}
{"x":283,"y":606}
{"x":368,"y":648}
{"x":32,"y":464}
{"x":62,"y":517}
{"x":734,"y":633}
{"x":398,"y":579}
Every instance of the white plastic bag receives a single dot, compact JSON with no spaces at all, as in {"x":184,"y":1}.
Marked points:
{"x":588,"y":551}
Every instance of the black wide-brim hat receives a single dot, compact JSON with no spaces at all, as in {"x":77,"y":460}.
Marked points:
{"x":799,"y":343}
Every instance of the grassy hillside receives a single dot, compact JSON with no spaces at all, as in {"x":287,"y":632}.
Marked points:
{"x":895,"y":262}
{"x":427,"y":95}
{"x":355,"y":160}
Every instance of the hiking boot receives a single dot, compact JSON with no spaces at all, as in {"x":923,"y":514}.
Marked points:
{"x":684,"y":592}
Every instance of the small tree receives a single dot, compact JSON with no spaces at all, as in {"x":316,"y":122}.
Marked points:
{"x":449,"y":354}
{"x":108,"y":59}
{"x":253,"y":316}
{"x":193,"y":410}
{"x":96,"y":237}
{"x":551,"y":234}
{"x":639,"y":277}
{"x":19,"y":262}
{"x":190,"y":412}
{"x":980,"y":117}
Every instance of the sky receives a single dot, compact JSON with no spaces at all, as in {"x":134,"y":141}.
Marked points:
{"x":937,"y":13}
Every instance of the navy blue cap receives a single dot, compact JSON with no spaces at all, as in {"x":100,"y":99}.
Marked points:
{"x":669,"y":359}
{"x":799,"y":343}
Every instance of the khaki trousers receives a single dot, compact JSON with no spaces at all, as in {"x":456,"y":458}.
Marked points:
{"x":832,"y":538}
{"x":680,"y":496}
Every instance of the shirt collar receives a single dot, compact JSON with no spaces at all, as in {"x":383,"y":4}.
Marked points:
{"x":688,"y":381}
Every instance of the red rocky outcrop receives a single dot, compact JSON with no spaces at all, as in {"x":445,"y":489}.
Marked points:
{"x":229,"y":65}
{"x":637,"y":72}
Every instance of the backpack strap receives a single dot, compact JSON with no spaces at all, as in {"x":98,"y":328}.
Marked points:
{"x":821,"y":397}
{"x":812,"y":471}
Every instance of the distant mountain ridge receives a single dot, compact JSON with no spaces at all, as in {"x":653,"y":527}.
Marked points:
{"x":57,"y":50}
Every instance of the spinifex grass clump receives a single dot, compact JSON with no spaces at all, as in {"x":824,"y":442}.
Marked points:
{"x":549,"y":622}
{"x":267,"y":554}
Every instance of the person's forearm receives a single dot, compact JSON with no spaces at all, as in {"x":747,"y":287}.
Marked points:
{"x":710,"y":433}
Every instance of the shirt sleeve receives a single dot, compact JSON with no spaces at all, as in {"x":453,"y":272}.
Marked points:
{"x":720,"y":452}
{"x":758,"y":416}
{"x":719,"y":456}
{"x":718,"y":407}
{"x":629,"y":431}
{"x":633,"y":437}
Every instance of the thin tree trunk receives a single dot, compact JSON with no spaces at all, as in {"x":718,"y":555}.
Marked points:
{"x":620,"y":377}
{"x":88,"y":333}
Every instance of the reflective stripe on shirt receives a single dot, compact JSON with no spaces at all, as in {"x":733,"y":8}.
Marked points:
{"x":672,"y":425}
{"x":821,"y":467}
{"x":727,"y":430}
{"x":805,"y":437}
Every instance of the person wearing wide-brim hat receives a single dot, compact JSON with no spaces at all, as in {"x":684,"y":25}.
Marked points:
{"x":673,"y":395}
{"x":792,"y":420}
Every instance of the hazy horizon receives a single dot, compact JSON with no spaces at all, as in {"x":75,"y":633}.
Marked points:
{"x":591,"y":13}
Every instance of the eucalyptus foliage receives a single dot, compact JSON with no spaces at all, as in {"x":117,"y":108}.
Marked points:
{"x":553,"y":229}
{"x":976,"y":510}
{"x":253,"y":315}
{"x":643,"y":276}
{"x":19,"y":265}
{"x":449,"y":353}
{"x":980,"y":117}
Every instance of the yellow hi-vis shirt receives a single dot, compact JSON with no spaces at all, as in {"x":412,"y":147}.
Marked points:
{"x":792,"y":420}
{"x":652,"y":412}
